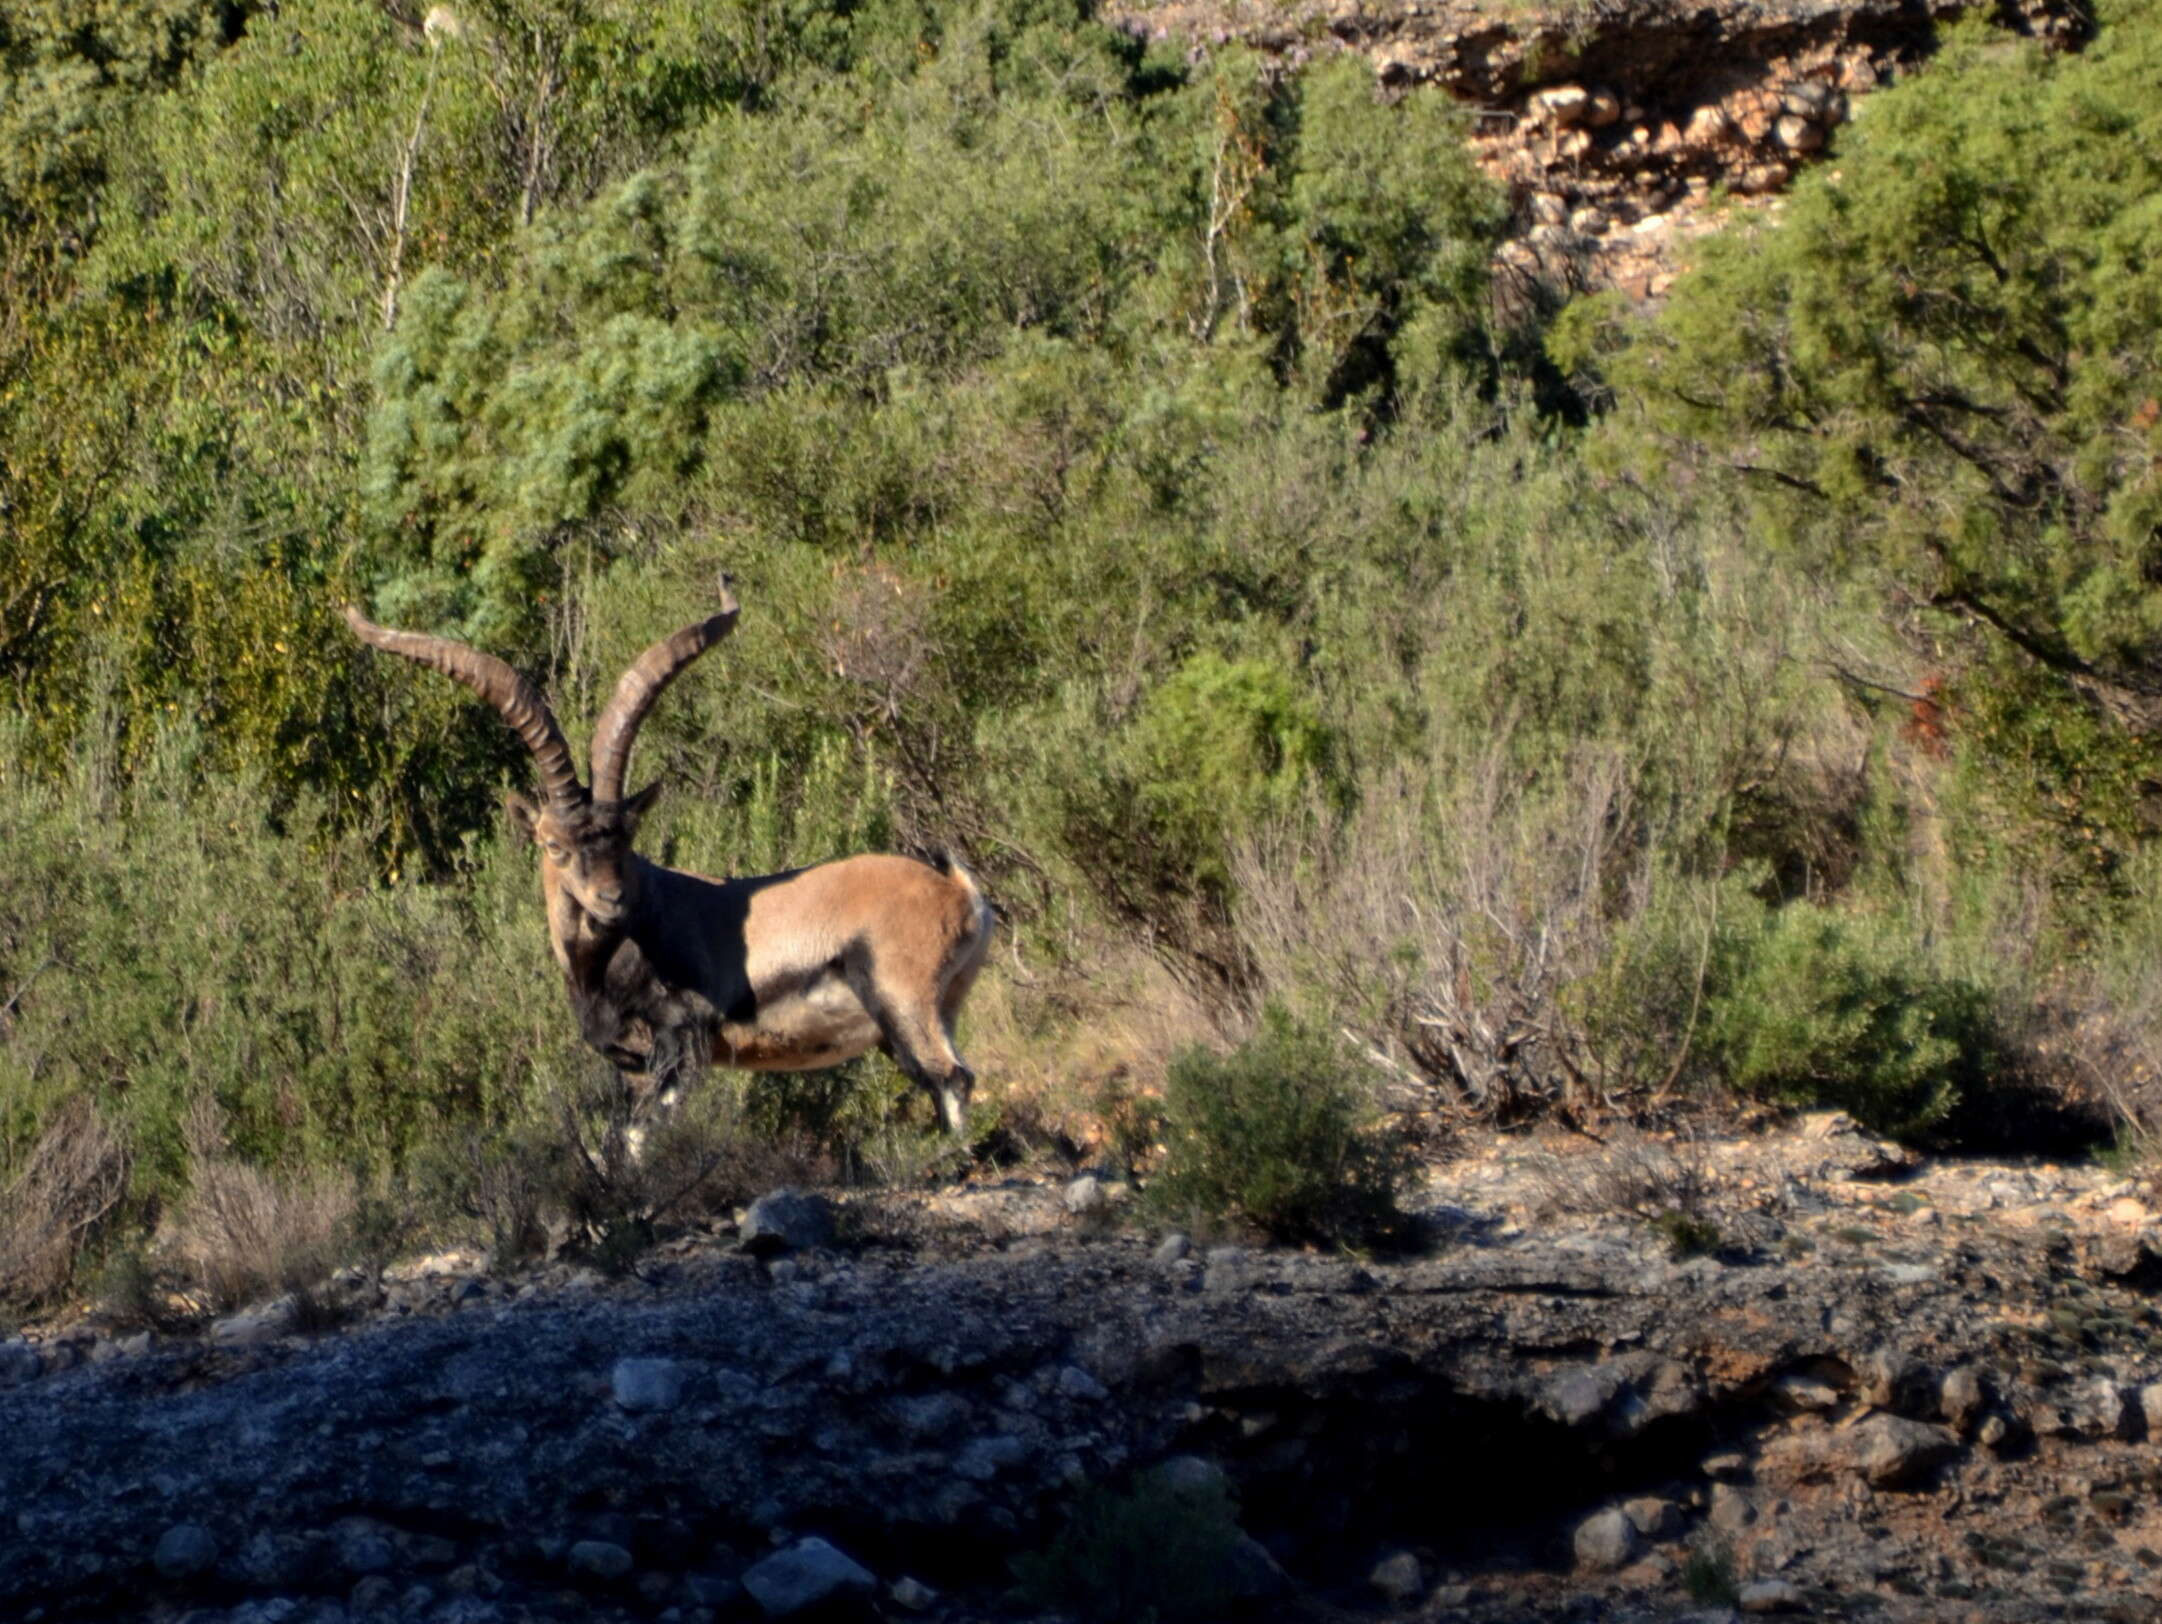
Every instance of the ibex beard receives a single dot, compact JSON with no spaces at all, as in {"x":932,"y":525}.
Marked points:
{"x":777,"y":972}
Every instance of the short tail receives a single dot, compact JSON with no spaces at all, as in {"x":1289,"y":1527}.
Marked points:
{"x":986,"y":909}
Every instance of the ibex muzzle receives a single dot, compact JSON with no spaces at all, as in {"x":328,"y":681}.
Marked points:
{"x":781,"y":972}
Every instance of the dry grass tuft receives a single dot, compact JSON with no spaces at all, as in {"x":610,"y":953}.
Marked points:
{"x":73,"y":1179}
{"x":242,"y":1233}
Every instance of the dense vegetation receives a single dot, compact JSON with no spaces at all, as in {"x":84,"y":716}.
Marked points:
{"x":1130,"y":485}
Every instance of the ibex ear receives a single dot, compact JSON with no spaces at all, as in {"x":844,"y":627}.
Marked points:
{"x":638,"y":805}
{"x":522,"y":814}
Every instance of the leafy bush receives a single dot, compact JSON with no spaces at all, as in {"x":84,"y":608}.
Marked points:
{"x":1159,"y":1550}
{"x":1830,"y":1010}
{"x":1280,"y":1134}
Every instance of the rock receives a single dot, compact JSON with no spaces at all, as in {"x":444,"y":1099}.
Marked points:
{"x":363,"y":1551}
{"x":1960,"y":1396}
{"x":184,"y":1550}
{"x":912,"y":1594}
{"x":2100,"y":1409}
{"x":1798,"y":134}
{"x":1563,"y":105}
{"x":1547,"y":209}
{"x":1398,"y":1578}
{"x":647,"y":1385}
{"x":1769,"y":1596}
{"x":1172,"y":1248}
{"x":1652,"y":1572}
{"x":1800,"y":1392}
{"x":1730,"y":1509}
{"x":2149,"y":1399}
{"x":265,"y":1323}
{"x":809,"y":1573}
{"x":1708,"y":126}
{"x":1653,"y":1517}
{"x":985,"y":1458}
{"x":1729,"y":1466}
{"x":1812,"y":98}
{"x":374,"y":1597}
{"x":19,"y":1362}
{"x":1605,"y":1541}
{"x":1250,"y":1573}
{"x":787,"y":1221}
{"x":1087,"y":1195}
{"x":1601,"y":108}
{"x":598,"y":1559}
{"x":1192,"y":1477}
{"x":1893,"y":1452}
{"x":1890,"y":1380}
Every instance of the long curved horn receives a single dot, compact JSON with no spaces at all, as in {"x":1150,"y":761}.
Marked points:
{"x":513,"y":695}
{"x":641,"y":685}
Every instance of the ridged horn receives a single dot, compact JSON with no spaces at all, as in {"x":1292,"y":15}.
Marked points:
{"x":513,"y":695}
{"x":641,"y":685}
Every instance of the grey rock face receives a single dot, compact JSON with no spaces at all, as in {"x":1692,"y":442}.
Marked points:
{"x":646,"y":1385}
{"x":1087,"y":1195}
{"x":788,"y":1221}
{"x":810,"y":1573}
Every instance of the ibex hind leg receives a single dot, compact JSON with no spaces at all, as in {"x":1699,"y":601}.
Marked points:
{"x":912,"y":1031}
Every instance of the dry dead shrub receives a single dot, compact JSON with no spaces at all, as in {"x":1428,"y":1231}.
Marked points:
{"x":243,"y":1233}
{"x":598,"y":1170}
{"x":72,"y":1180}
{"x":1664,"y":1183}
{"x":1446,"y":932}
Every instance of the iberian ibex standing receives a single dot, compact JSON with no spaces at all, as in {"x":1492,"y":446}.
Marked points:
{"x":781,"y":972}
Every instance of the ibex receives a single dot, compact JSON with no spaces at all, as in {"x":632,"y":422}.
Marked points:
{"x":781,"y":972}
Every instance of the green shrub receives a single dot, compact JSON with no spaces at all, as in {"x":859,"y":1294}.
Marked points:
{"x":1279,"y":1134}
{"x":1830,"y":1010}
{"x":1160,"y":1550}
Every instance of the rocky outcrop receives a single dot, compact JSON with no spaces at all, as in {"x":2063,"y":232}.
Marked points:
{"x":1920,"y":1392}
{"x":1616,"y":126}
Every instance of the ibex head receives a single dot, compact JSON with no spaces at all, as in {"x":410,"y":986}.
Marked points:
{"x":584,"y":835}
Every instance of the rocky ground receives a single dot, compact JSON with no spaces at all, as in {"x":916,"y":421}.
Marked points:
{"x":1623,"y":129}
{"x":1880,"y":1388}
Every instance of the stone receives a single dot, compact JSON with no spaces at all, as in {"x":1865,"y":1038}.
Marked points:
{"x":1192,"y":1477}
{"x":1653,"y":1572}
{"x":1087,"y":1195}
{"x":1563,"y":105}
{"x":1800,"y":1392}
{"x":1601,"y":108}
{"x":1398,"y":1578}
{"x":985,"y":1458}
{"x":1605,"y":1541}
{"x":374,"y":1597}
{"x":810,"y":1573}
{"x":1653,"y":1517}
{"x":2149,"y":1399}
{"x":1893,"y":1452}
{"x":1769,"y":1596}
{"x":598,"y":1559}
{"x":787,"y":1221}
{"x":1798,"y":134}
{"x":184,"y":1550}
{"x":1728,"y":1465}
{"x":19,"y":1362}
{"x":912,"y":1594}
{"x":643,"y":1386}
{"x":1548,"y":209}
{"x":265,"y":1323}
{"x":1251,"y":1573}
{"x":1172,"y":1248}
{"x":1960,"y":1396}
{"x":1730,"y":1509}
{"x":1708,"y":126}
